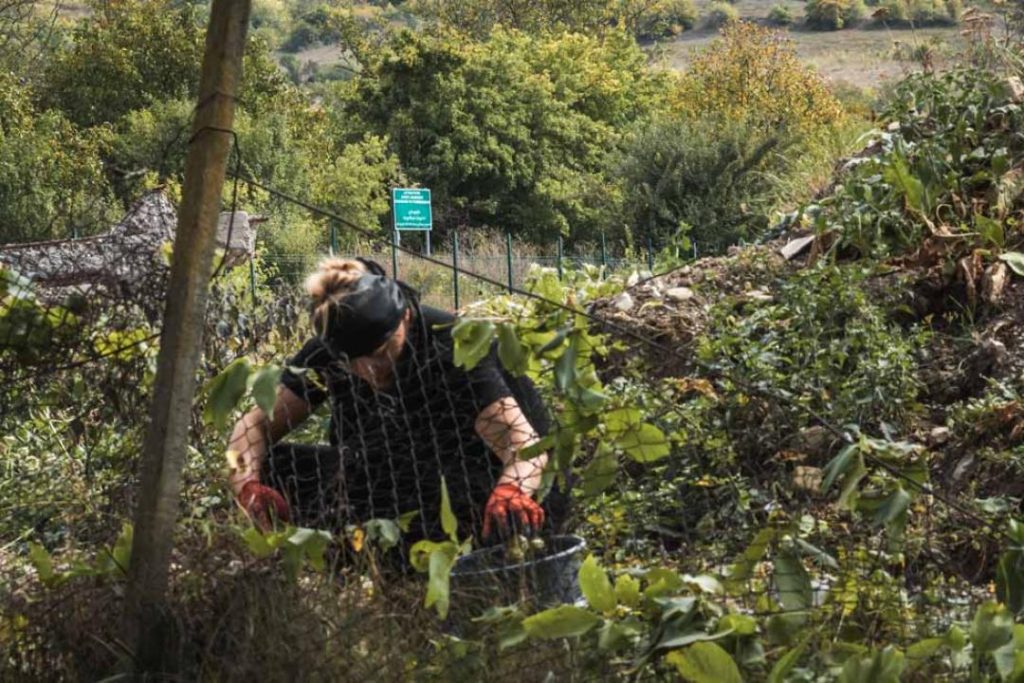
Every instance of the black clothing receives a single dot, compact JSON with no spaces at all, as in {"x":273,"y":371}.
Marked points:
{"x":389,"y":449}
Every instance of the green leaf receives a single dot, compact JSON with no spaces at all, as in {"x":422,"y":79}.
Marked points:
{"x":42,"y":562}
{"x":313,"y":543}
{"x":705,"y":663}
{"x":786,"y":663}
{"x":899,"y":176}
{"x":792,"y":582}
{"x":264,"y":387}
{"x":878,"y":667}
{"x":511,"y":351}
{"x":449,"y":524}
{"x":662,"y":581}
{"x":645,"y":443}
{"x":565,"y":366}
{"x":420,"y":552}
{"x":740,"y":624}
{"x":1015,"y":260}
{"x":596,"y":587}
{"x":894,"y":507}
{"x":225,"y":391}
{"x":473,"y":340}
{"x":564,"y":621}
{"x":257,"y":543}
{"x":992,"y":627}
{"x":438,"y":583}
{"x":838,"y":466}
{"x":1010,"y":580}
{"x":121,"y":553}
{"x":600,"y":474}
{"x":384,"y":532}
{"x":406,"y":518}
{"x":743,"y":569}
{"x":627,"y":590}
{"x":612,"y":637}
{"x":686,"y":634}
{"x":922,"y":651}
{"x":990,"y":230}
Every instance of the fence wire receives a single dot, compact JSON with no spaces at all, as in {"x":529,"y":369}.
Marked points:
{"x":357,"y":446}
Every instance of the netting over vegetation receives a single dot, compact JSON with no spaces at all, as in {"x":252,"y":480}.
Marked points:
{"x":795,"y":461}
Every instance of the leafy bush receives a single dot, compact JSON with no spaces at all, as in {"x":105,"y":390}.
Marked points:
{"x":131,"y":55}
{"x":919,"y":12}
{"x":513,"y":132}
{"x":720,"y":14}
{"x":52,"y":181}
{"x":711,"y":177}
{"x":752,"y":74}
{"x":664,"y":18}
{"x":832,"y":15}
{"x":949,"y":165}
{"x":780,"y":15}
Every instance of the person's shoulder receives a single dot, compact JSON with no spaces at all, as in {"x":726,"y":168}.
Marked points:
{"x":313,"y":354}
{"x":438,"y":322}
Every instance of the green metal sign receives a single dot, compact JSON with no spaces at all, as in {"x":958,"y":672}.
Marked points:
{"x":411,"y":209}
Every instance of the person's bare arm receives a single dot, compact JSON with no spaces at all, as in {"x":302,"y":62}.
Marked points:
{"x":506,"y":431}
{"x":255,"y":432}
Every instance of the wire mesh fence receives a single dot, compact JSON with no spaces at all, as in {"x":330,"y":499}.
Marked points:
{"x":381,"y":451}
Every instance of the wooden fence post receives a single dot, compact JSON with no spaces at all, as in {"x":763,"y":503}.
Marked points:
{"x":163,"y":453}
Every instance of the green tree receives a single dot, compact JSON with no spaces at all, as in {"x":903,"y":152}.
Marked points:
{"x":129,"y":55}
{"x":709,"y":180}
{"x":52,"y":183}
{"x":513,"y":132}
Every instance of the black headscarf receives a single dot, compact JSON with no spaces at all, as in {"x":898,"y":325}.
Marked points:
{"x":369,"y":315}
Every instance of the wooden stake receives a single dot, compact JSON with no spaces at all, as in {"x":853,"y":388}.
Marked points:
{"x":163,"y":454}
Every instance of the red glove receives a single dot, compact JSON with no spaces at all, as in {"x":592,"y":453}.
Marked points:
{"x":508,"y":500}
{"x":263,"y":504}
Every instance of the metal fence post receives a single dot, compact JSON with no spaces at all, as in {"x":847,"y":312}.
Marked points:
{"x":508,"y":255}
{"x":144,"y":625}
{"x":252,"y":280}
{"x":394,"y":254}
{"x":455,"y":268}
{"x":560,"y":273}
{"x":334,"y":240}
{"x":604,"y":256}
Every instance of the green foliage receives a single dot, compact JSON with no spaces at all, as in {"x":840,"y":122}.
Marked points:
{"x":946,"y":166}
{"x":653,"y":20}
{"x":832,"y":15}
{"x":919,"y":12}
{"x":780,"y":15}
{"x":130,"y":55}
{"x":297,"y":547}
{"x":720,"y":15}
{"x":717,"y":177}
{"x":52,"y":184}
{"x":512,"y":132}
{"x":438,"y":558}
{"x":825,"y":342}
{"x":479,"y":17}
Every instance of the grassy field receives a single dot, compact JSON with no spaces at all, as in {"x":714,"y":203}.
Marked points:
{"x":864,"y":57}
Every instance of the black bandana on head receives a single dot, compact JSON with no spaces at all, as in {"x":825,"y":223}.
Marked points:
{"x":364,"y":320}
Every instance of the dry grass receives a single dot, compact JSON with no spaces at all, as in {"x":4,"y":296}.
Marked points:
{"x":864,"y":57}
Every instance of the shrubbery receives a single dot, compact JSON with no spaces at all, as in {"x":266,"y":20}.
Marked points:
{"x":720,"y":14}
{"x":780,"y":15}
{"x":919,"y":12}
{"x":832,"y":15}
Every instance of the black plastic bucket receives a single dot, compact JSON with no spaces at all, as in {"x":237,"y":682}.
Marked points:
{"x":547,"y":576}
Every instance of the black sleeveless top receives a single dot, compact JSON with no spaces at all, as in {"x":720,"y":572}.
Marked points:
{"x":393,"y":446}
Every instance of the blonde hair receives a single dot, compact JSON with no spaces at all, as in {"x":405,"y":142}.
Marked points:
{"x":333,"y":281}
